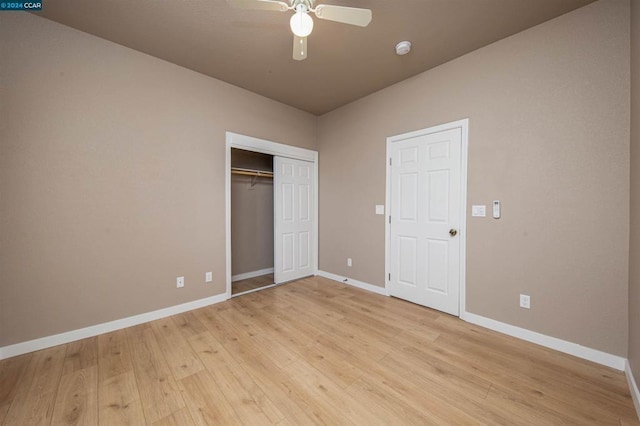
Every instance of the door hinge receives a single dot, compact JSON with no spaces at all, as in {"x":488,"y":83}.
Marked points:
{"x":389,"y":218}
{"x":389,"y":277}
{"x":390,"y":161}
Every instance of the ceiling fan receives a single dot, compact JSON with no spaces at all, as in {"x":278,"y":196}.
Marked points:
{"x":301,"y":23}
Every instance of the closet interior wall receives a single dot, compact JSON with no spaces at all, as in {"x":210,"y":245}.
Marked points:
{"x":251,"y":214}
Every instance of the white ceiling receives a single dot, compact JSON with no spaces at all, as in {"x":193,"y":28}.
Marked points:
{"x":252,"y":49}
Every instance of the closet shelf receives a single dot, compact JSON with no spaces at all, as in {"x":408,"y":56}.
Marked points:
{"x":250,"y":172}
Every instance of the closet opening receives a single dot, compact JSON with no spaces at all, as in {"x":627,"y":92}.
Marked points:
{"x":252,"y":221}
{"x":277,"y":235}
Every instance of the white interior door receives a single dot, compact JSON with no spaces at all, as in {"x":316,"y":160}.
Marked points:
{"x":425,"y":196}
{"x":294,"y":218}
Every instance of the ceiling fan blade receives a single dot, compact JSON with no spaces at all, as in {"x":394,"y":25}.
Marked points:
{"x":299,"y":48}
{"x":346,"y":15}
{"x":277,"y":6}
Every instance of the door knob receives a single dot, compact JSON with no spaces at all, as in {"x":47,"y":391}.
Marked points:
{"x":453,"y":232}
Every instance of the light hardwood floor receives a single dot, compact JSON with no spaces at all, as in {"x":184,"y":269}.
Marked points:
{"x":312,"y":351}
{"x":251,"y":283}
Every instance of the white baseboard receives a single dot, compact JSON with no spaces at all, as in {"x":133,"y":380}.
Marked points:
{"x":594,"y":355}
{"x":633,"y":387}
{"x":94,"y":330}
{"x":613,"y":361}
{"x":253,"y":290}
{"x":360,"y":284}
{"x":252,"y":274}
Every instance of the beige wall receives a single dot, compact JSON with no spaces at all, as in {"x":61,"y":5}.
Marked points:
{"x":251,"y":224}
{"x":634,"y":248}
{"x":549,"y":137}
{"x":105,"y":155}
{"x":112,"y":177}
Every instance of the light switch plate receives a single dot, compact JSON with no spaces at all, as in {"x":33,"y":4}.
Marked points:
{"x":208,"y":277}
{"x":478,"y":210}
{"x":379,"y":208}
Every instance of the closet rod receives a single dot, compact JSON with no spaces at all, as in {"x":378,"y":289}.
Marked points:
{"x":250,"y":172}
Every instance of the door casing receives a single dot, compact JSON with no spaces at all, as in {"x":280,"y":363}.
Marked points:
{"x":464,"y":126}
{"x":248,"y":143}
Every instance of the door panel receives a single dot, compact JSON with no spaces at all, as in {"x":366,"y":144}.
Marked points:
{"x":438,"y":193}
{"x":425,"y":189}
{"x":437,"y":276}
{"x":407,"y":261}
{"x":288,"y":248}
{"x":305,"y":203}
{"x":294,"y":213}
{"x":408,"y":196}
{"x":287,"y":202}
{"x":303,"y":243}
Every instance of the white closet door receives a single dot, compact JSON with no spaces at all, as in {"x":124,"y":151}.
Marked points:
{"x":294,"y":223}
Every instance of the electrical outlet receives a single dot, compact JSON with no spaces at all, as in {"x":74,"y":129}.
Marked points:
{"x":525,"y":301}
{"x":349,"y":262}
{"x":180,"y":282}
{"x":208,"y":277}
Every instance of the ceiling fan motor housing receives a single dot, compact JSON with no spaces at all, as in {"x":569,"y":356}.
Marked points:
{"x":307,"y":3}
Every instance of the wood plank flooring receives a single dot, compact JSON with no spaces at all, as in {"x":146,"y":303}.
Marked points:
{"x":309,"y":352}
{"x":251,"y":283}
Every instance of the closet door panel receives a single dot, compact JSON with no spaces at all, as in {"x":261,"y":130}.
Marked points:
{"x":294,"y":218}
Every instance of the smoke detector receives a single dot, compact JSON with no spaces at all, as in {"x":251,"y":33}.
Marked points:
{"x":403,"y":48}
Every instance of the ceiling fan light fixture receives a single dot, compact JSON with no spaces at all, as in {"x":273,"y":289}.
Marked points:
{"x":301,"y":23}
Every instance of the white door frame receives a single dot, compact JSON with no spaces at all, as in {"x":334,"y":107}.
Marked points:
{"x":248,"y":143}
{"x":464,"y":126}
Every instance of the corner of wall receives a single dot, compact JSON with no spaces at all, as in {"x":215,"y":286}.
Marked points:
{"x":634,"y":228}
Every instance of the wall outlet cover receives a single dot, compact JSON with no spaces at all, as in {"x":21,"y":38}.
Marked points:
{"x":208,"y":277}
{"x":180,"y":282}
